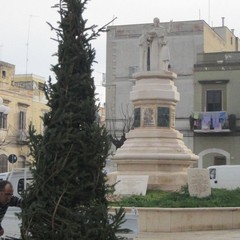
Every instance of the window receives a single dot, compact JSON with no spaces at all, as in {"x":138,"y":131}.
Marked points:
{"x":41,"y":86}
{"x":4,"y":74}
{"x":148,"y":59}
{"x":220,"y":160}
{"x":22,"y":120}
{"x":214,"y":100}
{"x":3,"y":120}
{"x":212,"y":173}
{"x":21,"y":161}
{"x":214,"y":95}
{"x":21,"y":183}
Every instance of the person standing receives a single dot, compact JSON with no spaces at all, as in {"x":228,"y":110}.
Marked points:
{"x":7,"y":200}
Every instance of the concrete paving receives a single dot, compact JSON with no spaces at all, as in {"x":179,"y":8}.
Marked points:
{"x":199,"y":235}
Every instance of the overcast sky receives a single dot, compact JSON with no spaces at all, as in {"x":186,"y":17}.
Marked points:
{"x":25,"y":37}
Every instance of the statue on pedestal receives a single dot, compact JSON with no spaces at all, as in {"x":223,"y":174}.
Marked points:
{"x":144,"y":50}
{"x":154,"y":148}
{"x":154,"y":52}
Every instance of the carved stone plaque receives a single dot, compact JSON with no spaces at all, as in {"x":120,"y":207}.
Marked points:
{"x":131,"y":185}
{"x":199,"y":182}
{"x":148,"y":117}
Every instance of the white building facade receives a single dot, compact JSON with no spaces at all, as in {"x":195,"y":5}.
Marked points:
{"x":185,"y":40}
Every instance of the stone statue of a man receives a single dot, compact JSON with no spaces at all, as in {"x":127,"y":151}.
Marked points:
{"x":144,"y":48}
{"x":154,"y":48}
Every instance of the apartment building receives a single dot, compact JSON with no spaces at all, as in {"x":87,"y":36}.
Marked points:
{"x":24,"y":97}
{"x":188,"y":41}
{"x":215,"y":121}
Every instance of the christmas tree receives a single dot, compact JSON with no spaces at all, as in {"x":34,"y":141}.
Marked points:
{"x":67,"y":199}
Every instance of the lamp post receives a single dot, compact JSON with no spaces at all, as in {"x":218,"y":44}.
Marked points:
{"x":3,"y":109}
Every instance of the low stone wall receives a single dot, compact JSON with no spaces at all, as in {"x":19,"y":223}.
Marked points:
{"x":187,"y":219}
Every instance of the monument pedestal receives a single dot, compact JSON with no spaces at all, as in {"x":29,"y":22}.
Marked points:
{"x":154,"y":147}
{"x":160,"y":154}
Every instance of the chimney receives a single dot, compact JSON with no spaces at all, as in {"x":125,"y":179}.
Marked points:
{"x":223,"y":18}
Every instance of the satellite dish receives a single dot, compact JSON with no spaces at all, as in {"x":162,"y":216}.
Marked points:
{"x":12,"y":158}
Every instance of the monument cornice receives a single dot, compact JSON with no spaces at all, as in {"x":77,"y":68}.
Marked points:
{"x":161,"y":74}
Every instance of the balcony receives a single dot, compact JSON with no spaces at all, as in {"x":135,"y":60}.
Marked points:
{"x":207,"y":122}
{"x":22,"y":137}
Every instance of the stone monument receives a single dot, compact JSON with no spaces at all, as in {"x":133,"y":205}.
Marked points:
{"x":154,"y":147}
{"x":199,"y":183}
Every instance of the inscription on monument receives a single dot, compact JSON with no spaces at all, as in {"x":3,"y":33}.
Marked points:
{"x":131,"y":185}
{"x":199,"y":182}
{"x":148,"y":117}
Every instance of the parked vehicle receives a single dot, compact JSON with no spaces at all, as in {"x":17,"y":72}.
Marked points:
{"x":20,"y":178}
{"x":225,"y":176}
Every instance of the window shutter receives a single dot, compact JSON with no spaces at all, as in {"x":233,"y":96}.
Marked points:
{"x":22,"y":120}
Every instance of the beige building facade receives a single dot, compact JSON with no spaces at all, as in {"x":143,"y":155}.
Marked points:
{"x":24,"y":96}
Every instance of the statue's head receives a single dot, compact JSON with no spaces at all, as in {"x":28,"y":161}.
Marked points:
{"x":156,"y":22}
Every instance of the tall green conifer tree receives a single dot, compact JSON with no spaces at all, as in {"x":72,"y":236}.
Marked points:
{"x":67,"y":199}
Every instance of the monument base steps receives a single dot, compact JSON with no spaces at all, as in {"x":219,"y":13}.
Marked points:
{"x":166,"y":181}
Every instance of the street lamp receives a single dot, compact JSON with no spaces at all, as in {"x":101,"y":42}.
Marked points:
{"x":3,"y":109}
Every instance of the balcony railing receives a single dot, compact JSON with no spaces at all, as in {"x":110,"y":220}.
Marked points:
{"x":22,"y":137}
{"x":211,"y":122}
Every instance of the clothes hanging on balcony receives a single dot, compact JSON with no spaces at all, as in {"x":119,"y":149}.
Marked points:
{"x":206,"y":119}
{"x":210,"y":120}
{"x":223,"y":116}
{"x":215,"y":120}
{"x":196,"y":115}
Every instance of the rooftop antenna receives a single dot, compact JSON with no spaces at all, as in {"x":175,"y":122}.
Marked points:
{"x":27,"y":44}
{"x":114,"y":18}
